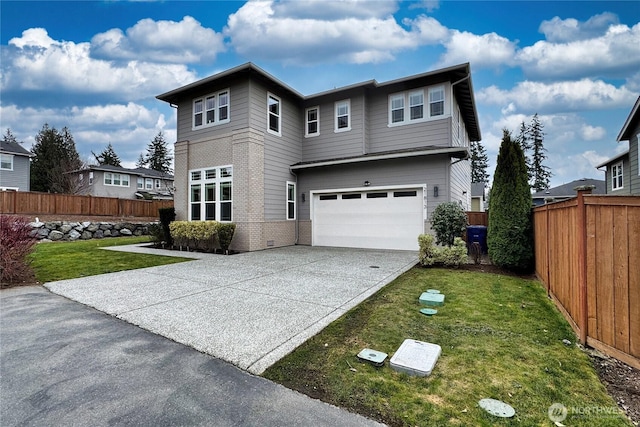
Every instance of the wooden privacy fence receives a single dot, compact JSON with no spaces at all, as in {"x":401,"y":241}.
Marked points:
{"x":478,"y":218}
{"x":588,"y":256}
{"x":31,"y":203}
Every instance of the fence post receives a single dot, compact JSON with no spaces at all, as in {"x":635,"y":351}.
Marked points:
{"x":581,"y":225}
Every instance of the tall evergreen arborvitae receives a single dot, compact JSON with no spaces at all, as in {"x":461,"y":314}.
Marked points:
{"x":510,"y":232}
{"x":479,"y":162}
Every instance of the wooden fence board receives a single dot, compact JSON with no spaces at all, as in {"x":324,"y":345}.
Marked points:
{"x":634,"y":280}
{"x":620,"y":278}
{"x":592,"y":311}
{"x":604,"y":295}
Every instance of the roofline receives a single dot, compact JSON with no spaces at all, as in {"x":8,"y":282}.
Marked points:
{"x":624,"y":153}
{"x":622,"y":136}
{"x":130,"y":171}
{"x":387,"y":156}
{"x":17,"y":154}
{"x":248,"y":66}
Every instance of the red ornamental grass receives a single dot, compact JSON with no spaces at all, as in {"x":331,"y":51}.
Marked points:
{"x":16,"y":243}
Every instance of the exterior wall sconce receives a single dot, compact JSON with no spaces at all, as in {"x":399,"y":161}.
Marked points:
{"x":367,"y":183}
{"x":435,"y":191}
{"x":303,"y":197}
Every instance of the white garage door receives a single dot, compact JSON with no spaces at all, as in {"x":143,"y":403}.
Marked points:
{"x":387,"y":219}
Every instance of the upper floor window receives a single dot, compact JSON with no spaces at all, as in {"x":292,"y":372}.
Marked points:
{"x":312,"y":124}
{"x":436,"y":101}
{"x":416,"y":105}
{"x":397,"y":108}
{"x":406,"y":107}
{"x":140,"y":183}
{"x":116,"y":179}
{"x":148,"y":183}
{"x":158,"y":185}
{"x":343,"y":115}
{"x":6,"y":162}
{"x":90,"y":178}
{"x":211,"y":110}
{"x":616,"y":176}
{"x":273,"y":114}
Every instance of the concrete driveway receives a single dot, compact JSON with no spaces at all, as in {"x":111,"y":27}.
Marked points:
{"x":249,"y":309}
{"x":65,"y":364}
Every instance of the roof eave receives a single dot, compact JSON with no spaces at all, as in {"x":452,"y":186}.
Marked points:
{"x":627,"y":128}
{"x":613,"y":159}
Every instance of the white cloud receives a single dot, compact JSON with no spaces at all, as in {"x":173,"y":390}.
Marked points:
{"x":580,"y":95}
{"x":186,"y":41}
{"x":566,"y":30}
{"x":487,"y":50}
{"x":281,"y":31}
{"x":35,"y":62}
{"x":615,"y":51}
{"x":592,"y":133}
{"x":336,"y":9}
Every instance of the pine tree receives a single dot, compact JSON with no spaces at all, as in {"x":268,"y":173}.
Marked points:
{"x":9,"y":137}
{"x":523,"y":139}
{"x":479,"y":163}
{"x":540,"y":174}
{"x":510,"y":232}
{"x":108,"y":156}
{"x":141,"y":162}
{"x":55,"y":155}
{"x":158,"y":157}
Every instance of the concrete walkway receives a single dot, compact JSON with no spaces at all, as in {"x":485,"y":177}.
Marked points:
{"x":65,"y":364}
{"x":249,"y":309}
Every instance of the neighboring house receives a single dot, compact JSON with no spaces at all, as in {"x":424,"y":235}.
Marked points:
{"x":359,"y":166}
{"x":115,"y":181}
{"x":478,"y":196}
{"x":622,"y":174}
{"x":566,"y":191}
{"x":15,"y":167}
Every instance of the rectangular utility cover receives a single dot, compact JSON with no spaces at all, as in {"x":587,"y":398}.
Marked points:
{"x":416,"y":357}
{"x":428,"y":298}
{"x":373,"y":356}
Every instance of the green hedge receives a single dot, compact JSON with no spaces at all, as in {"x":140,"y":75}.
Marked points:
{"x":449,"y":256}
{"x":202,"y":235}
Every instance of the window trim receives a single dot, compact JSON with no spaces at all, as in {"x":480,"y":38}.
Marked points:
{"x":407,"y":107}
{"x":444,"y":100}
{"x":140,"y":183}
{"x":278,"y":115}
{"x":202,"y":180}
{"x":307,"y":134}
{"x":337,"y":104}
{"x":112,"y":179}
{"x":290,"y":201}
{"x":10,"y":156}
{"x":393,"y":96}
{"x":216,"y":109}
{"x":617,"y":167}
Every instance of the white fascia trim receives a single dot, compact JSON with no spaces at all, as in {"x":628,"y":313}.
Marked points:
{"x":371,"y":157}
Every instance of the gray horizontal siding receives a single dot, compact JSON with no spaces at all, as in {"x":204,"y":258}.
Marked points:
{"x":460,"y":184}
{"x":432,"y":171}
{"x":19,"y":177}
{"x":634,"y":167}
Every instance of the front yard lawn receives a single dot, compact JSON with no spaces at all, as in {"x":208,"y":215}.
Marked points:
{"x":68,"y":260}
{"x":501,"y":338}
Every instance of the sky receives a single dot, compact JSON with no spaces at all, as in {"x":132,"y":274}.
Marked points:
{"x":97,"y":66}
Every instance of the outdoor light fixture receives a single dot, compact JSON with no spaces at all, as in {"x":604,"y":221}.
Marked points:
{"x":367,"y":183}
{"x":302,"y":197}
{"x":435,"y":191}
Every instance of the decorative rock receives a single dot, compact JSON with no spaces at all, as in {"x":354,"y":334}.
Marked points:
{"x":139,"y":231}
{"x":65,"y":228}
{"x":115,"y":233}
{"x":85,"y":224}
{"x":43,"y":232}
{"x":74,"y":235}
{"x":125,"y":232}
{"x":105,"y":226}
{"x":56,"y":235}
{"x":107,"y":233}
{"x":37,"y":224}
{"x":93,"y":227}
{"x":79,"y":228}
{"x":99,"y":234}
{"x":86,"y":235}
{"x":53,"y":225}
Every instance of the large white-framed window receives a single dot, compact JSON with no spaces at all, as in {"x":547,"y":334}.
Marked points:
{"x":140,"y":183}
{"x":274,"y":114}
{"x":211,"y":194}
{"x":436,"y":101}
{"x":148,"y":183}
{"x":116,"y":179}
{"x":291,"y":200}
{"x":617,"y":177}
{"x":6,"y":162}
{"x":343,"y":116}
{"x":312,"y":121}
{"x":211,"y":110}
{"x":416,"y":105}
{"x":396,"y":108}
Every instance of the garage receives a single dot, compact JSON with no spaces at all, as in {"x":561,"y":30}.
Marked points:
{"x":374,"y":219}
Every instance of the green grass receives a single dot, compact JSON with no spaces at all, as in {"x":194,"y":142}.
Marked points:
{"x":69,"y":260}
{"x":500,"y":336}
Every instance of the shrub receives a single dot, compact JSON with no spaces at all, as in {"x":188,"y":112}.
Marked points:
{"x":194,"y":234}
{"x":16,"y":243}
{"x":510,"y":231}
{"x":167,"y":216}
{"x":448,"y":221}
{"x":448,"y":256}
{"x":156,"y":232}
{"x":225,"y":234}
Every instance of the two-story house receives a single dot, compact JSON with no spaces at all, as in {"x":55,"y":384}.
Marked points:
{"x":622,"y":172}
{"x":124,"y":183}
{"x":15,"y":167}
{"x":359,"y":166}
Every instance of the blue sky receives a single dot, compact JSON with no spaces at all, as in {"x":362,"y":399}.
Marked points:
{"x":96,"y":67}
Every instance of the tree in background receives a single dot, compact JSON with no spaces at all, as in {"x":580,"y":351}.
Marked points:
{"x":108,"y":156}
{"x":510,"y":232}
{"x":141,"y":162}
{"x":55,"y":155}
{"x":524,"y":141}
{"x":158,"y":157}
{"x":9,"y":137}
{"x":479,"y":163}
{"x":540,"y":174}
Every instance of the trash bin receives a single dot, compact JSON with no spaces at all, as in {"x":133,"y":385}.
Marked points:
{"x":477,"y":234}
